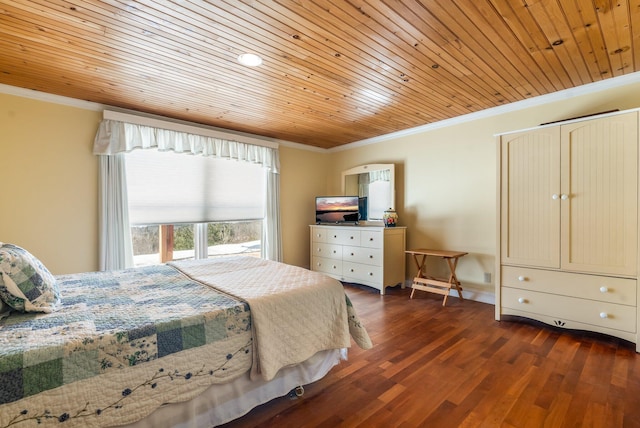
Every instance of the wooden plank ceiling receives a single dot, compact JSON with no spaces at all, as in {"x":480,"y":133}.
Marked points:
{"x":334,"y":71}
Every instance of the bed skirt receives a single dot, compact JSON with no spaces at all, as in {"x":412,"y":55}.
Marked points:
{"x":222,"y":403}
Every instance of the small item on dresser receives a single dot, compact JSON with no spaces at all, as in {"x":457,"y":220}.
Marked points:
{"x":390,"y":218}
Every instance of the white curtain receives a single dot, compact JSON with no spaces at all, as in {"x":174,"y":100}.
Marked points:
{"x":116,"y":248}
{"x":271,"y":246}
{"x":116,"y":137}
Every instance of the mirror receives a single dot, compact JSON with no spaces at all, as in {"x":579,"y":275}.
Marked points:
{"x":375,"y":185}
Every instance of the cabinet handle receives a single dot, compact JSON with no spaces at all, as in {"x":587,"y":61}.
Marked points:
{"x":335,"y":236}
{"x":604,"y":315}
{"x":334,"y":251}
{"x":604,"y":289}
{"x":319,"y":250}
{"x":351,"y":270}
{"x":351,"y":237}
{"x":554,"y":196}
{"x":370,"y":239}
{"x":335,"y":267}
{"x":352,"y":254}
{"x":522,"y":300}
{"x":521,"y":278}
{"x":564,"y":197}
{"x":370,"y":273}
{"x":370,"y":256}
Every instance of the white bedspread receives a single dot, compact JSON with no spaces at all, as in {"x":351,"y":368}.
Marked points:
{"x":295,"y":312}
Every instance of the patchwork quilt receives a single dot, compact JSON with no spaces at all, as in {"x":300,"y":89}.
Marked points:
{"x":124,"y":343}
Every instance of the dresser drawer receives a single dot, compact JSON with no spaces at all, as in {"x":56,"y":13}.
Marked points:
{"x":602,"y":314}
{"x":343,"y":236}
{"x":331,"y":251}
{"x":322,"y":264}
{"x":371,"y":239}
{"x":369,"y":256}
{"x":359,"y":272}
{"x":318,"y":234}
{"x":594,"y":287}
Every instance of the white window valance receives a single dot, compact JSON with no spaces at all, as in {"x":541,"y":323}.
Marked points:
{"x":114,"y":137}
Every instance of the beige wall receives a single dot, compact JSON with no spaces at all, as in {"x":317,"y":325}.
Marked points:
{"x":49,"y":182}
{"x":49,"y":198}
{"x":445,"y":184}
{"x":303,"y":176}
{"x":446,"y":180}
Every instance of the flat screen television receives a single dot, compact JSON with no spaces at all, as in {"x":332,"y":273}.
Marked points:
{"x":337,"y":209}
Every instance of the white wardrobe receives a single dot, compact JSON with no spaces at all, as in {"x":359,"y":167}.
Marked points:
{"x":568,"y":224}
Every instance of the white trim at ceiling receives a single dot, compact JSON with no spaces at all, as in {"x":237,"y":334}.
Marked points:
{"x":589,"y":88}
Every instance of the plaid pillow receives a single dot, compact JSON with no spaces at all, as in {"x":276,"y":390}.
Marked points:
{"x":25,"y":284}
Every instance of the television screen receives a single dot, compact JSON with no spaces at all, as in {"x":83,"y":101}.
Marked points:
{"x":336,"y":209}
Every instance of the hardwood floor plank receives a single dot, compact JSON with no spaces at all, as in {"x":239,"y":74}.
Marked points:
{"x":455,"y":366}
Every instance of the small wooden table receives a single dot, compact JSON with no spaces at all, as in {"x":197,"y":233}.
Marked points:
{"x":435,"y":285}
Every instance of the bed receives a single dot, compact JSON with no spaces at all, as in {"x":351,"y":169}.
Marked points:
{"x":186,"y":344}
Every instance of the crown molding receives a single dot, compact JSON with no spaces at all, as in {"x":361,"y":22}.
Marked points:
{"x":589,"y":88}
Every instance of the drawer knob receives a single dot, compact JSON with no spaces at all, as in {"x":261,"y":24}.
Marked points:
{"x":564,"y":197}
{"x":522,"y":300}
{"x":351,"y":270}
{"x":604,"y":315}
{"x":521,"y":278}
{"x":604,"y":289}
{"x":335,"y":236}
{"x":370,"y":273}
{"x":370,"y":256}
{"x":334,"y":266}
{"x":352,"y":254}
{"x":351,"y":237}
{"x":370,"y":239}
{"x":554,"y":196}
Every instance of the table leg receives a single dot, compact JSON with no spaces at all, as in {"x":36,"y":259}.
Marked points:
{"x":421,"y":266}
{"x":453,"y":280}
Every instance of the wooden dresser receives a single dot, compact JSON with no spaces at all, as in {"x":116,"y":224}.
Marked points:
{"x":368,"y":255}
{"x":568,"y":225}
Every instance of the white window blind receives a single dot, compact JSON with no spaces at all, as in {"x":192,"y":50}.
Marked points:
{"x":170,"y":188}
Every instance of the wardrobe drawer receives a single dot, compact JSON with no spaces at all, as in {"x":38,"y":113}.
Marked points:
{"x":322,"y":264}
{"x":331,"y":251}
{"x":369,"y":256}
{"x":603,"y":314}
{"x":359,"y":272}
{"x":343,"y":236}
{"x":594,"y":287}
{"x":371,"y":239}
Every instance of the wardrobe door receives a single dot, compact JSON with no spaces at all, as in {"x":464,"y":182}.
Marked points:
{"x":530,"y":194}
{"x":599,"y":195}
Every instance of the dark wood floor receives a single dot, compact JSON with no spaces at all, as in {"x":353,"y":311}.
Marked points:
{"x":457,"y":367}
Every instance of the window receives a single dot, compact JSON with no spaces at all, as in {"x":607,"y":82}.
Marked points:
{"x":153,"y":244}
{"x":184,"y":206}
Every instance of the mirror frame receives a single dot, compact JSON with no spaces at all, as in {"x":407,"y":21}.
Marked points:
{"x":374,"y":167}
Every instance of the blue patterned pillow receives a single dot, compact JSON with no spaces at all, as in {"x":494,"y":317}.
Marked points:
{"x":25,"y":284}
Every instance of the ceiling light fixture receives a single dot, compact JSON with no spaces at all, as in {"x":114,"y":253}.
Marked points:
{"x":249,"y":59}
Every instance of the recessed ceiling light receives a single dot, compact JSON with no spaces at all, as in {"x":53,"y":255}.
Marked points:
{"x":249,"y":59}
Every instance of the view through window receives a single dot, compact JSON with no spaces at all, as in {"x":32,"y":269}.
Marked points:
{"x":154,"y":244}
